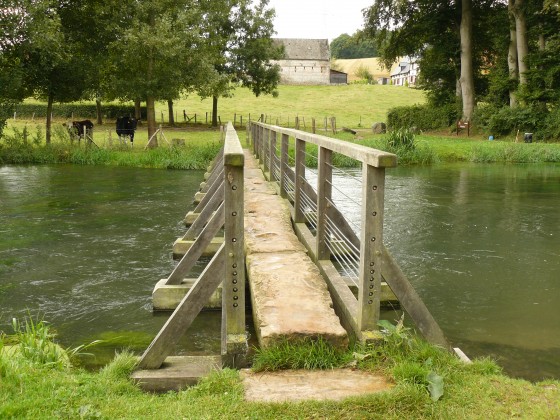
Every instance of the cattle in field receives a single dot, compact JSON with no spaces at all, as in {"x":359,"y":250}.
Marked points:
{"x":77,"y":129}
{"x":126,"y":126}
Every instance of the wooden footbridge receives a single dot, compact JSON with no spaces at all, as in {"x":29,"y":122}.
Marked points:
{"x":311,"y":271}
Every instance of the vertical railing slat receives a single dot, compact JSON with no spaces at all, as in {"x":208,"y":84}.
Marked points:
{"x":299,"y":175}
{"x":284,"y":164}
{"x":324,"y":194}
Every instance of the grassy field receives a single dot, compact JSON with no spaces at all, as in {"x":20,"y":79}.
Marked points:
{"x":352,"y":105}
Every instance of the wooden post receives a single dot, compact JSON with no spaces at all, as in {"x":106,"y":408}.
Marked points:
{"x":313,"y":129}
{"x":284,"y":164}
{"x":234,"y":347}
{"x":299,"y":180}
{"x":266,"y":151}
{"x":272,"y":154}
{"x":324,"y":194}
{"x":297,"y":123}
{"x":371,"y":248}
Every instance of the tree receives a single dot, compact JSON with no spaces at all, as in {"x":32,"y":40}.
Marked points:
{"x":156,"y":55}
{"x":46,"y":54}
{"x":239,"y":38}
{"x":447,"y":36}
{"x":355,"y":46}
{"x":467,"y":78}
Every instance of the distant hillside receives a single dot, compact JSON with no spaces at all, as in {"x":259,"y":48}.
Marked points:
{"x":350,"y":66}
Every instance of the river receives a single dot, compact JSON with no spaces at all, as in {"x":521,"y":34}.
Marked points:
{"x":82,"y":247}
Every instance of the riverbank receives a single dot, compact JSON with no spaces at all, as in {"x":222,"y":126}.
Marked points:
{"x":198,"y":146}
{"x":428,"y":383}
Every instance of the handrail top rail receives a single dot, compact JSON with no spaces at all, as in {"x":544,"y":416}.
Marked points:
{"x":364,"y":154}
{"x":233,"y":152}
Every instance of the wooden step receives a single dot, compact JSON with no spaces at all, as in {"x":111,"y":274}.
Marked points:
{"x":177,"y":372}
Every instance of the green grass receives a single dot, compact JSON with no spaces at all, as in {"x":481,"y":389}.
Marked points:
{"x":34,"y":389}
{"x":350,"y":104}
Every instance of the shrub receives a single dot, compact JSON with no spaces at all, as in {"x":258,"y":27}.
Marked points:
{"x":508,"y":120}
{"x":422,"y":117}
{"x":402,"y":139}
{"x":363,"y":73}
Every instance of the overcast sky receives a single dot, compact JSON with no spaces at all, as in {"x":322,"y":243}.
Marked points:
{"x":318,"y":19}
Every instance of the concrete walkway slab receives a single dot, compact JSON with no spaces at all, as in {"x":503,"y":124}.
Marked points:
{"x":300,"y":385}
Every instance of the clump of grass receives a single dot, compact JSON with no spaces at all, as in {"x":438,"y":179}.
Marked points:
{"x":34,"y":341}
{"x":120,"y":367}
{"x":304,"y":354}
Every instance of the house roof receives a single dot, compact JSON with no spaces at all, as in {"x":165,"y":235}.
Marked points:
{"x":304,"y":49}
{"x":404,"y":65}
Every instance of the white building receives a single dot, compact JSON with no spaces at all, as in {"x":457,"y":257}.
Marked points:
{"x":406,"y":73}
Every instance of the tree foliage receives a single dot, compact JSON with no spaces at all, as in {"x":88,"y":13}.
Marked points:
{"x":354,"y":46}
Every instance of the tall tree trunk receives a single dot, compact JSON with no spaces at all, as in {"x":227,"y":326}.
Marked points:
{"x":151,"y":117}
{"x":512,"y":57}
{"x":98,"y":111}
{"x":137,"y":109}
{"x":50,"y":101}
{"x":170,"y":110}
{"x":214,"y":111}
{"x":522,"y":43}
{"x":467,"y":77}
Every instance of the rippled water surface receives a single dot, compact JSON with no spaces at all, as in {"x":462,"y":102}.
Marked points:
{"x":481,"y":245}
{"x":84,"y":246}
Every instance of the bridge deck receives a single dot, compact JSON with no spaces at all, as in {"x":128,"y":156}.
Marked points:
{"x":290,"y":299}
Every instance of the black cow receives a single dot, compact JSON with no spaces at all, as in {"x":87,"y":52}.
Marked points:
{"x":126,"y":126}
{"x":79,"y":128}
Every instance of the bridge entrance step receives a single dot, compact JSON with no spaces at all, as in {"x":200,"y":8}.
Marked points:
{"x":177,"y":372}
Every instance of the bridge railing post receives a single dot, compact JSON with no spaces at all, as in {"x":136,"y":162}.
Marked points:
{"x":324,"y":198}
{"x":284,"y":165}
{"x":234,"y":340}
{"x":266,"y":148}
{"x":371,"y":248}
{"x":299,"y":180}
{"x":272,"y":154}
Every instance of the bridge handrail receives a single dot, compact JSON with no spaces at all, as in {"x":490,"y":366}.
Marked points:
{"x":222,"y":206}
{"x":367,"y":155}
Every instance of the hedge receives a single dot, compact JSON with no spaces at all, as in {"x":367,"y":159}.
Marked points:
{"x":422,"y":117}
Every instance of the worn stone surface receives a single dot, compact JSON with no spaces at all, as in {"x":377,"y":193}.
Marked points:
{"x":299,"y":385}
{"x":290,"y":298}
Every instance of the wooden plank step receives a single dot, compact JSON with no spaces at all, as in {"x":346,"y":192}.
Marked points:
{"x":177,"y":372}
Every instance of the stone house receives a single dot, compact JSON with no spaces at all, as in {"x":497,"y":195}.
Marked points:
{"x":306,"y":61}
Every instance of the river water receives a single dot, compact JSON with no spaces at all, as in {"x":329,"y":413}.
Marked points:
{"x":83,"y":247}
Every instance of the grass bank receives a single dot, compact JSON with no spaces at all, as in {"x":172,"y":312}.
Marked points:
{"x":429,"y":383}
{"x":199,"y":148}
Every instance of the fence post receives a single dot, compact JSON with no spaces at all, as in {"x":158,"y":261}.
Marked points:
{"x":371,"y":248}
{"x":272,"y":153}
{"x":313,"y":125}
{"x":324,"y":194}
{"x":284,"y":164}
{"x":299,"y":179}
